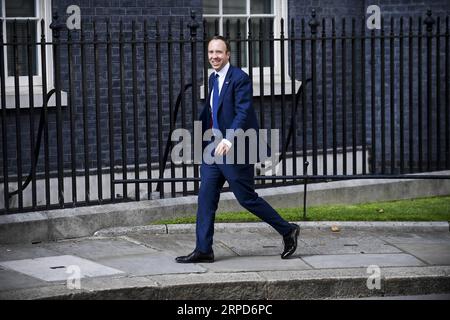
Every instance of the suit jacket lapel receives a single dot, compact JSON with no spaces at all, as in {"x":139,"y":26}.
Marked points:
{"x":210,"y":89}
{"x":226,"y":84}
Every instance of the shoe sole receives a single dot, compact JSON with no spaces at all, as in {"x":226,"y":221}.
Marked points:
{"x":200,"y":261}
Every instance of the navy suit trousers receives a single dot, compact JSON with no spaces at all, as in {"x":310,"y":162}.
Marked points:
{"x":240,"y":178}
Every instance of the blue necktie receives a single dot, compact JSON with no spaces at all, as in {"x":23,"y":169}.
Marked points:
{"x":215,"y":104}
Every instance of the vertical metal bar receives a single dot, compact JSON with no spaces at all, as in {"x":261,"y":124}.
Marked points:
{"x":283,"y":99}
{"x":44,"y":101}
{"x":294,"y":101}
{"x":392,"y":95}
{"x":304,"y":95}
{"x":193,"y":32}
{"x":272,"y":81}
{"x":344,"y":99}
{"x":183,"y":99}
{"x":71,"y":106}
{"x":148,"y":121}
{"x":17,"y":109}
{"x":3,"y":120}
{"x":429,"y":28}
{"x":122,"y":111}
{"x":363,"y":96}
{"x":85,"y":116}
{"x":97,"y":117}
{"x":205,"y":60}
{"x":447,"y":94}
{"x":401,"y":101}
{"x":171,"y":115}
{"x":383,"y":100}
{"x":313,"y":24}
{"x":410,"y":96}
{"x":353,"y":58}
{"x":419,"y":92}
{"x":334,"y":93}
{"x":159,"y":104}
{"x":324,"y":101}
{"x":261,"y":77}
{"x":438,"y":94}
{"x":137,"y":194}
{"x":110,"y":111}
{"x":216,"y":27}
{"x":372,"y":103}
{"x":261,"y":74}
{"x":238,"y":43}
{"x":59,"y":122}
{"x":31,"y":106}
{"x":250,"y":51}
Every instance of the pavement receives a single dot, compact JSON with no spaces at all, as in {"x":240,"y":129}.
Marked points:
{"x":334,"y":260}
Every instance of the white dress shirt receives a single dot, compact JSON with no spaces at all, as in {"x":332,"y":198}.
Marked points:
{"x":222,"y":73}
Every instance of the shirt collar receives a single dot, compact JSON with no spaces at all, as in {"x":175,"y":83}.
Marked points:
{"x":222,"y":73}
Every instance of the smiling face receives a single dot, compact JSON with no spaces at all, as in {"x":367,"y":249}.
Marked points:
{"x":218,"y":55}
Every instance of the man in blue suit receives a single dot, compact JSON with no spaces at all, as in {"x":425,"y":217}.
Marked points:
{"x":229,"y":106}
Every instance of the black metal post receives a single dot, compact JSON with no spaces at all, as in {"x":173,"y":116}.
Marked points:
{"x":429,"y":22}
{"x":56,"y":28}
{"x":313,"y":24}
{"x":193,"y":26}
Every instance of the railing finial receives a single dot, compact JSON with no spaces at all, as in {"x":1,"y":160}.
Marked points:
{"x":429,"y":21}
{"x":313,"y":23}
{"x":193,"y":25}
{"x":56,"y":26}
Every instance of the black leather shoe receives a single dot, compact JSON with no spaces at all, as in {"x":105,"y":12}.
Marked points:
{"x":196,"y":256}
{"x":290,"y":241}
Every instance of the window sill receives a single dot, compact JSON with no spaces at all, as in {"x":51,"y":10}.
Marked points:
{"x":24,"y":100}
{"x":266,"y":88}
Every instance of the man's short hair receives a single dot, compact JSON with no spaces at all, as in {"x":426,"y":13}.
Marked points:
{"x":227,"y":43}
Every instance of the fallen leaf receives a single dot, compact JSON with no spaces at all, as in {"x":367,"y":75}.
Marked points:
{"x":335,"y":228}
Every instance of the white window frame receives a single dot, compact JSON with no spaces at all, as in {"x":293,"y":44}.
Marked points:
{"x":43,"y":11}
{"x":280,"y":11}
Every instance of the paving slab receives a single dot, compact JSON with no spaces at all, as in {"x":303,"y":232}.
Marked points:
{"x":432,"y":253}
{"x":98,"y":248}
{"x":362,"y":260}
{"x":255,"y":263}
{"x":258,"y":244}
{"x":150,"y":264}
{"x":182,"y":244}
{"x":25,"y":251}
{"x":345,"y":242}
{"x":415,"y":237}
{"x":56,"y":268}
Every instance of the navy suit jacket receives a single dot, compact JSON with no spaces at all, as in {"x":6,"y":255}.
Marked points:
{"x":235,"y":110}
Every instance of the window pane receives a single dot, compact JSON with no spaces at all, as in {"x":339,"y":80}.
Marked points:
{"x":267,"y":27}
{"x":211,"y":28}
{"x":22,"y":50}
{"x":234,"y":7}
{"x":238,"y":48}
{"x":261,"y":6}
{"x":210,"y":6}
{"x":20,"y":8}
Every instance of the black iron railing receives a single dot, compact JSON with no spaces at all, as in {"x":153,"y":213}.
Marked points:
{"x":351,"y":102}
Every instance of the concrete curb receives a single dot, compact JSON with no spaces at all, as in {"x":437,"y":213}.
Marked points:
{"x":439,"y":226}
{"x":85,"y":221}
{"x":271,"y":285}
